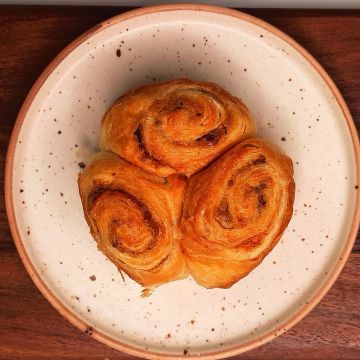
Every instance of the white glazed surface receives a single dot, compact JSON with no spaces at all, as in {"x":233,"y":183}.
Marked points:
{"x":292,"y":107}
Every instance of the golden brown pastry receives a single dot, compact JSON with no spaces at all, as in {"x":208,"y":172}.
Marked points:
{"x":134,"y":218}
{"x":177,"y":126}
{"x":235,"y":212}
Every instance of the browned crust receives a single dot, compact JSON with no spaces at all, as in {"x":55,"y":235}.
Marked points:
{"x":220,"y":253}
{"x":107,"y":187}
{"x":139,"y":126}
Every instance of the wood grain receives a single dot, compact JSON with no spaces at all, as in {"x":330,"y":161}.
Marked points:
{"x":29,"y":327}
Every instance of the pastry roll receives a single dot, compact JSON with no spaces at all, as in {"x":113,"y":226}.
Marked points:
{"x":175,"y":127}
{"x":235,"y":212}
{"x":134,"y":218}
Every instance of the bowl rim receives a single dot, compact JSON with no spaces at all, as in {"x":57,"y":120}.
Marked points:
{"x":36,"y":277}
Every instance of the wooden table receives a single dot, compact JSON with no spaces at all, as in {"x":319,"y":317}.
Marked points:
{"x":29,"y":327}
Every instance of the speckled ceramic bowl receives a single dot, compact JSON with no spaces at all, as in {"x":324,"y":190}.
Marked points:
{"x":295,"y":105}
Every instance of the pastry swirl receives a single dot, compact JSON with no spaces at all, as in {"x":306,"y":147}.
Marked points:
{"x":175,"y":127}
{"x":134,"y":218}
{"x":235,"y":211}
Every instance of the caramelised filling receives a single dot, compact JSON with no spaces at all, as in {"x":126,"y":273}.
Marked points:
{"x":244,"y":205}
{"x":187,"y":116}
{"x":123,"y":221}
{"x":139,"y":139}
